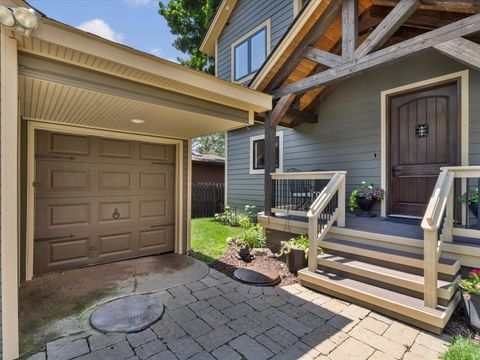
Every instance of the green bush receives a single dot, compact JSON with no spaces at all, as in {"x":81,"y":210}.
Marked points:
{"x":253,"y":237}
{"x":463,"y":349}
{"x":229,"y":217}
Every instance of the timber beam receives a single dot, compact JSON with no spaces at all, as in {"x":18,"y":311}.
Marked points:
{"x":314,"y":34}
{"x":280,"y":109}
{"x":322,"y":57}
{"x":388,"y":27}
{"x":465,"y":51}
{"x":349,"y":28}
{"x":464,"y":27}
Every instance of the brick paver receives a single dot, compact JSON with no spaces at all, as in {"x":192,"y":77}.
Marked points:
{"x":219,"y":318}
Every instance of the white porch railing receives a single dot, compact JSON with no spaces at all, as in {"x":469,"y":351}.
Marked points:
{"x":438,"y":223}
{"x":318,"y":195}
{"x":295,"y":192}
{"x":327,"y":208}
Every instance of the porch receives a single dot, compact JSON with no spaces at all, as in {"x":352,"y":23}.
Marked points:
{"x":406,"y":268}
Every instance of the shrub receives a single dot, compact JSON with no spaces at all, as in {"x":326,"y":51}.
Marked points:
{"x":230,"y":218}
{"x":252,"y":237}
{"x":462,"y":349}
{"x":298,"y":243}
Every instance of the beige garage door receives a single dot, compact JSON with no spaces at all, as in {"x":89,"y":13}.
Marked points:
{"x":100,"y":200}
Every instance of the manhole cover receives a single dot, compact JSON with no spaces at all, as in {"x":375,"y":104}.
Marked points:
{"x":257,"y":276}
{"x":129,"y":314}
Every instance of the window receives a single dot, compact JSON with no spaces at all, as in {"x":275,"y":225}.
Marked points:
{"x":257,"y":153}
{"x":250,"y":52}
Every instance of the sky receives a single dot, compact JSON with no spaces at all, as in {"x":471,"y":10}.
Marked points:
{"x":134,"y":23}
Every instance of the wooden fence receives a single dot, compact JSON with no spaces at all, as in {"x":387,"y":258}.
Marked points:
{"x":207,"y":199}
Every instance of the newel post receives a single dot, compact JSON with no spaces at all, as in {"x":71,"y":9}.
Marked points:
{"x":430,"y":274}
{"x":312,"y":243}
{"x":270,"y":135}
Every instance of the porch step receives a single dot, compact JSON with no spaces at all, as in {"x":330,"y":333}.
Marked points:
{"x":391,"y":303}
{"x":388,"y":255}
{"x":393,"y":278}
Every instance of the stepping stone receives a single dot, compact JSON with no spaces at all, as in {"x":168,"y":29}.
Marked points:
{"x":127,"y":315}
{"x":258,"y":276}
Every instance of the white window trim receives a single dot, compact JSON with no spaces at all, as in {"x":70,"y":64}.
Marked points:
{"x":266,"y":24}
{"x":280,"y":153}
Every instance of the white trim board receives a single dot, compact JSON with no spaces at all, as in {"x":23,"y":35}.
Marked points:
{"x":463,"y":77}
{"x":34,"y":126}
{"x":253,"y":171}
{"x":9,"y":194}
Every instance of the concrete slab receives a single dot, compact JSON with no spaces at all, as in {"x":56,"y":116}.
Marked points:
{"x":59,"y":303}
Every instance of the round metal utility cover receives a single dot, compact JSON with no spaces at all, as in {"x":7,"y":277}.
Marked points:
{"x":257,"y":276}
{"x":128,"y":314}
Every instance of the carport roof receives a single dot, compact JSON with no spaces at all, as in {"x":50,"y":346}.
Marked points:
{"x":62,"y":44}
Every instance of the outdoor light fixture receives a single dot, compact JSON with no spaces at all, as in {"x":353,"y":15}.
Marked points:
{"x":20,"y":19}
{"x":6,"y":17}
{"x":137,"y":121}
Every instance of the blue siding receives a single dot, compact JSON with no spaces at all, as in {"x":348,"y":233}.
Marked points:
{"x":347,"y":135}
{"x":247,"y":15}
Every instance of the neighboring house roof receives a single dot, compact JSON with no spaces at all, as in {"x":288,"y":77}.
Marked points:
{"x":207,"y":159}
{"x":221,"y":18}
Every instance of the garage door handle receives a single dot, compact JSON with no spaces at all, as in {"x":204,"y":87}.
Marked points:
{"x":55,"y":238}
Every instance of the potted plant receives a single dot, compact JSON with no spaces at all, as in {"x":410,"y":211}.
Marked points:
{"x":364,"y":197}
{"x":470,"y":198}
{"x":470,"y":287}
{"x":296,"y":252}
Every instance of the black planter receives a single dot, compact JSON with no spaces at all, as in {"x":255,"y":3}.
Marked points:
{"x":296,"y":260}
{"x":365,"y":205}
{"x":245,"y":254}
{"x":474,"y":209}
{"x":471,"y":305}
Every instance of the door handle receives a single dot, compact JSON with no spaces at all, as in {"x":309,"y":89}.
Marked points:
{"x":394,"y":171}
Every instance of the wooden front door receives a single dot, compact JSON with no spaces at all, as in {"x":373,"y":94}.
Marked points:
{"x":423,"y":137}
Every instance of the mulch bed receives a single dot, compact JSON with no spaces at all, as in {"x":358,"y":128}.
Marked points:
{"x":228,"y":263}
{"x":458,"y":327}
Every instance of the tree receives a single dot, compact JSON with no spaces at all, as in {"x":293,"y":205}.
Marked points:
{"x":211,"y":144}
{"x":189,"y":20}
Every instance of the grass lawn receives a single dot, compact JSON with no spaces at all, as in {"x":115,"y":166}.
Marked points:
{"x":209,"y":239}
{"x":463,"y":349}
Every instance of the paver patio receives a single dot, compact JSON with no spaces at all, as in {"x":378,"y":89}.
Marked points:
{"x":219,"y":318}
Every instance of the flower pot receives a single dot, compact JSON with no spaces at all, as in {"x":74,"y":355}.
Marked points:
{"x":244,"y":253}
{"x":471,"y":305}
{"x":365,"y":205}
{"x":474,"y":209}
{"x":296,"y":260}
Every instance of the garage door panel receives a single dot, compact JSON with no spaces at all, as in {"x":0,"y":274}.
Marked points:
{"x":114,"y":211}
{"x":159,"y":179}
{"x":116,"y":245}
{"x":61,"y":178}
{"x":157,"y":152}
{"x":111,"y":148}
{"x":160,"y":240}
{"x":56,"y":217}
{"x":114,"y":179}
{"x":157,"y":211}
{"x":65,"y":144}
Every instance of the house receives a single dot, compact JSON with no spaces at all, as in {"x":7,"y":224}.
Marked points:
{"x":364,"y":90}
{"x":96,"y":150}
{"x":207,"y":169}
